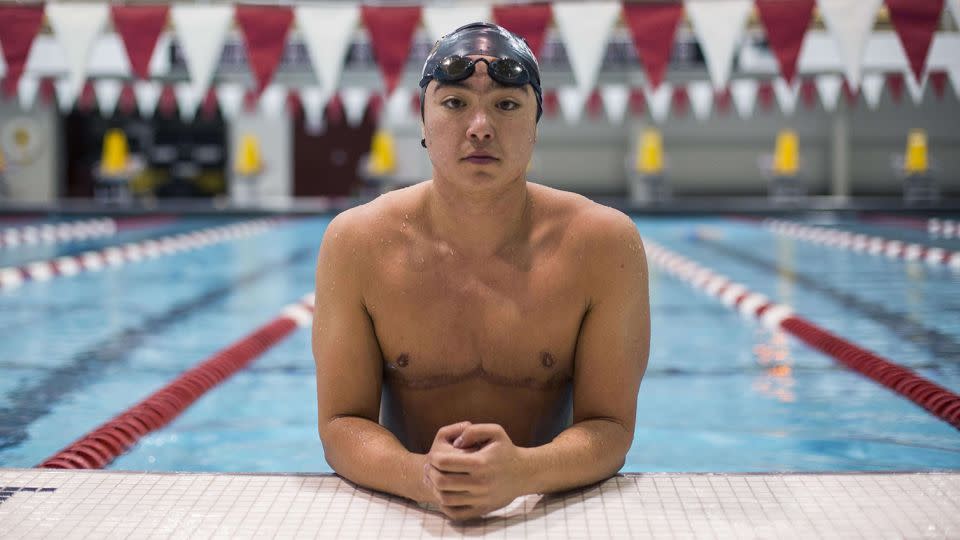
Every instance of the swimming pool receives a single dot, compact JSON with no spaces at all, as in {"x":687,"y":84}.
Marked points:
{"x":722,"y":391}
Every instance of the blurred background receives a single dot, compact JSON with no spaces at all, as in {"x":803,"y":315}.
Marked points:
{"x":307,"y":105}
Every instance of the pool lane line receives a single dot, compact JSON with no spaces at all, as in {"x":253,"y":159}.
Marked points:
{"x":941,"y":344}
{"x":863,"y":243}
{"x":937,"y":400}
{"x":27,"y":403}
{"x":13,"y":277}
{"x":49,"y":233}
{"x":947,"y":228}
{"x":97,"y":448}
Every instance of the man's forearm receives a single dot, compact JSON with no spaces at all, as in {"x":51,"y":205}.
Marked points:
{"x":584,"y":453}
{"x":367,"y":454}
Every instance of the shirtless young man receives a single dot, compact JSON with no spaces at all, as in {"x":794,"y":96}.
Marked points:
{"x":504,"y":324}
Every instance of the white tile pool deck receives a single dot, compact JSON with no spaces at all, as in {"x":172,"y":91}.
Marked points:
{"x":38,"y":503}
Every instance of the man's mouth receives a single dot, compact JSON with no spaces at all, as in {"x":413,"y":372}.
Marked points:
{"x":480,"y":158}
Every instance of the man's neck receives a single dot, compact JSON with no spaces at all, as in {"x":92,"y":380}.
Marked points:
{"x":480,"y":223}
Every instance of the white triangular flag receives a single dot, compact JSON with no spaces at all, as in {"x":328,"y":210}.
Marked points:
{"x":914,"y":88}
{"x":585,"y":32}
{"x":108,"y":93}
{"x":850,"y":22}
{"x":201,"y":31}
{"x":355,"y":100}
{"x":76,"y":26}
{"x":27,"y":88}
{"x":744,"y":95}
{"x":441,"y":20}
{"x":314,"y":100}
{"x":327,"y":31}
{"x":954,"y":6}
{"x":273,"y":100}
{"x":66,"y":95}
{"x":718,"y":25}
{"x":571,"y":100}
{"x":230,"y":99}
{"x":187,"y":100}
{"x":828,"y":86}
{"x":872,"y":88}
{"x":616,"y":97}
{"x":701,"y":98}
{"x":658,"y":101}
{"x":786,"y":94}
{"x":397,"y":111}
{"x":148,"y":95}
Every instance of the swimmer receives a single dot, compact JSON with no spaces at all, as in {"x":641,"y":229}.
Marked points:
{"x":479,"y":337}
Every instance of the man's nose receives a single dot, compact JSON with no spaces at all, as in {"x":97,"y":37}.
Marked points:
{"x":480,"y":129}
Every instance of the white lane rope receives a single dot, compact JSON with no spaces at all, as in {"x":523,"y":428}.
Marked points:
{"x":115,"y":256}
{"x":863,"y":243}
{"x":55,"y":234}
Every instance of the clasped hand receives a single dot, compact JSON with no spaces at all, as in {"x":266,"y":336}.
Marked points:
{"x":473,"y":469}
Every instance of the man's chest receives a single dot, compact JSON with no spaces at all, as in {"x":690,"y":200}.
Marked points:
{"x":439,"y":320}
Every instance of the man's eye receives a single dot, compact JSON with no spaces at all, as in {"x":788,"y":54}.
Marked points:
{"x":452,"y":103}
{"x":508,"y":105}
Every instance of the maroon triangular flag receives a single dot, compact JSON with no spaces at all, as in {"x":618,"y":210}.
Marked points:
{"x":637,"y":102}
{"x":167,"y":103}
{"x":786,"y":22}
{"x":210,"y":104}
{"x":551,"y":103}
{"x":334,"y":110}
{"x":139,"y":28}
{"x":594,"y":105}
{"x":127,"y":102}
{"x":915,"y":21}
{"x":391,"y":33}
{"x":680,"y":102}
{"x":722,"y":101}
{"x":852,"y":96}
{"x":808,"y":93}
{"x":264,"y":30}
{"x":765,"y":95}
{"x":895,"y":84}
{"x":374,"y":108}
{"x":294,"y":103}
{"x":938,"y":79}
{"x":48,"y":90}
{"x":527,"y":21}
{"x":88,"y":98}
{"x":19,"y":25}
{"x":652,"y":27}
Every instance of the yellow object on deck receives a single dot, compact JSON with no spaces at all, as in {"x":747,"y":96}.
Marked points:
{"x":116,"y":154}
{"x":383,"y":155}
{"x":786,"y":154}
{"x":915,"y":161}
{"x":650,"y":156}
{"x":248,"y":156}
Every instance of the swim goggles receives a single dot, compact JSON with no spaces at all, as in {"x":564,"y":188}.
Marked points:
{"x":506,"y":71}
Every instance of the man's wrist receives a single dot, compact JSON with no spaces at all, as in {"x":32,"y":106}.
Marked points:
{"x":417,"y":489}
{"x":531,"y":470}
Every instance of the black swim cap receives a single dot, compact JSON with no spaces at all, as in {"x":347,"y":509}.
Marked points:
{"x":486,"y":39}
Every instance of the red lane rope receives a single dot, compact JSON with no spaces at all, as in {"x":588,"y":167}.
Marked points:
{"x":937,"y":400}
{"x":860,"y":243}
{"x":102,"y":445}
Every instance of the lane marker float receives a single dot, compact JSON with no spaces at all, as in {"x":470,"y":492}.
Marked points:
{"x":59,"y":233}
{"x":99,"y":447}
{"x":93,"y":261}
{"x":947,"y":228}
{"x":863,"y":243}
{"x":936,"y":399}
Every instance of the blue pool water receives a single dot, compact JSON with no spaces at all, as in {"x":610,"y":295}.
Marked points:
{"x":722,"y":393}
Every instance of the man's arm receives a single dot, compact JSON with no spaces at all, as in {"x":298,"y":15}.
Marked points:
{"x":485,"y":470}
{"x":611,"y":358}
{"x":349,"y":371}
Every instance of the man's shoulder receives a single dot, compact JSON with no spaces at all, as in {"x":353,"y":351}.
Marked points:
{"x":362,"y":221}
{"x":586,"y":222}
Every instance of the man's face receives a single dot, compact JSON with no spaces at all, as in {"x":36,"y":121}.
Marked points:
{"x":479,"y":131}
